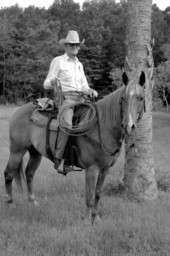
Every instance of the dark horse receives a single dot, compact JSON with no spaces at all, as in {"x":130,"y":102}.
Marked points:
{"x":118,"y":114}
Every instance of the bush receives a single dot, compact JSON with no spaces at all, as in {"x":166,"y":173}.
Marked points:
{"x":163,"y":182}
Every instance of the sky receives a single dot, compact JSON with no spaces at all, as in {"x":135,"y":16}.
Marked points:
{"x":162,"y":4}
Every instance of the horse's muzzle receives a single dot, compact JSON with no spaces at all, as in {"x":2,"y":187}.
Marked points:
{"x":127,"y":129}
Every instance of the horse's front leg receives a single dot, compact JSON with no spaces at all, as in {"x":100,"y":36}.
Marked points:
{"x":91,"y":176}
{"x":99,"y":189}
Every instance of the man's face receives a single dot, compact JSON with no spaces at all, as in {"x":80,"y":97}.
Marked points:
{"x":72,"y":49}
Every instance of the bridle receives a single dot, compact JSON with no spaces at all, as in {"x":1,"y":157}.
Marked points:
{"x":143,"y":109}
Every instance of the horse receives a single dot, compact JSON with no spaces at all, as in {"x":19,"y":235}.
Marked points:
{"x":117,"y":116}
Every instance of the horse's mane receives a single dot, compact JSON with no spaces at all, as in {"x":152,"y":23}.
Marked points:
{"x":109,"y":107}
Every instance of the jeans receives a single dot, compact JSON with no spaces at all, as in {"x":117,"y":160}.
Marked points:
{"x":70,"y":98}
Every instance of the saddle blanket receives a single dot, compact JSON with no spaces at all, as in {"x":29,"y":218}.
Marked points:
{"x":44,"y":104}
{"x":41,"y":120}
{"x":41,"y":115}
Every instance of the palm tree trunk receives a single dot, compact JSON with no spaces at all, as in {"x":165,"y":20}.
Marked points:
{"x":139,"y":176}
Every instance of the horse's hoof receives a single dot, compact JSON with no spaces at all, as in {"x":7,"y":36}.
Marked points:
{"x":36,"y":203}
{"x":8,"y":200}
{"x":31,"y":199}
{"x":87,"y":222}
{"x":12,"y":206}
{"x":96,"y":220}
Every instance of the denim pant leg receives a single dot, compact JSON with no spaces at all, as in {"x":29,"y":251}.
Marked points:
{"x":62,"y":136}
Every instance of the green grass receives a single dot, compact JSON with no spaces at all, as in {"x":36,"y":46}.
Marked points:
{"x":55,"y":228}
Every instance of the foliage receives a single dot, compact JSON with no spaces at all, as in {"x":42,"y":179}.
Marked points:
{"x":166,"y":50}
{"x":158,"y":33}
{"x":29,"y":41}
{"x":162,"y":83}
{"x":164,"y":183}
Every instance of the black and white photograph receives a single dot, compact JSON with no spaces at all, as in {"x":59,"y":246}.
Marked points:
{"x":85,"y":128}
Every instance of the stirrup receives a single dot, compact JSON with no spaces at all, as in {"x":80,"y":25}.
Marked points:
{"x":67,"y":169}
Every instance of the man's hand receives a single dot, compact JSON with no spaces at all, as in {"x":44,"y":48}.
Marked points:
{"x":55,"y":81}
{"x":93,"y":93}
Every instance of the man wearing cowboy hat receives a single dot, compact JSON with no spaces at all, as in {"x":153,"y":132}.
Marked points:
{"x":69,"y":71}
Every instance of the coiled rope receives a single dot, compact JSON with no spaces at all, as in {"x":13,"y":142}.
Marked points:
{"x":78,"y":129}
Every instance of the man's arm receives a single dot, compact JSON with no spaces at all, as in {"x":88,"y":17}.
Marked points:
{"x":52,"y":74}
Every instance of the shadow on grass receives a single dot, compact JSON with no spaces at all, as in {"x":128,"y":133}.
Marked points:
{"x":163,"y":183}
{"x":118,"y":190}
{"x":114,"y":190}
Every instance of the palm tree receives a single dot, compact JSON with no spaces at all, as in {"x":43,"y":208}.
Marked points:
{"x":139,"y":176}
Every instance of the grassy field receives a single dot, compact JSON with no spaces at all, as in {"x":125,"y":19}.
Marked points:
{"x":55,"y":228}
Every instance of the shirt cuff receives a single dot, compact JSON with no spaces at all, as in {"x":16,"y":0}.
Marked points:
{"x":86,"y":91}
{"x":47,"y":84}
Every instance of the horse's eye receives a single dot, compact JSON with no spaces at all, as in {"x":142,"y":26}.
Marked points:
{"x":122,"y":99}
{"x":140,"y":98}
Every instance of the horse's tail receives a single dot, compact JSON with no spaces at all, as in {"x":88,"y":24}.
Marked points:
{"x":19,"y":176}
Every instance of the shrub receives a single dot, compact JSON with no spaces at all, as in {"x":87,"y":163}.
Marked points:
{"x":163,"y":182}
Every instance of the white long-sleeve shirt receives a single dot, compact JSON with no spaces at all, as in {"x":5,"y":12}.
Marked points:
{"x":69,"y":72}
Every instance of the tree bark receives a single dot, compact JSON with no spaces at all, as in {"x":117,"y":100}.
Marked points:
{"x":139,"y":176}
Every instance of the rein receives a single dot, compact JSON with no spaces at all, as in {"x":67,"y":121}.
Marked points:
{"x":47,"y":146}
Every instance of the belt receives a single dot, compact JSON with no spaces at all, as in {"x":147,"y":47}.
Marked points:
{"x":74,"y":93}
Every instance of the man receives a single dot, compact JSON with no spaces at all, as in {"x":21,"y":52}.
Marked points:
{"x":69,"y":71}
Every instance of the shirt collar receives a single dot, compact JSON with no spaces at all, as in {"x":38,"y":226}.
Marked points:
{"x":66,"y":57}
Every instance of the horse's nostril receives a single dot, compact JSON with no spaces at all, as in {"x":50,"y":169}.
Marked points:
{"x":133,"y":127}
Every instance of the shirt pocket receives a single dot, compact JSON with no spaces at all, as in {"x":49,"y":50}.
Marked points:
{"x":80,"y":75}
{"x":65,"y":74}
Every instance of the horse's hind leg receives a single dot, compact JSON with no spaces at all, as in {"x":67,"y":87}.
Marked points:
{"x":33,"y":163}
{"x":91,"y":176}
{"x":13,"y":168}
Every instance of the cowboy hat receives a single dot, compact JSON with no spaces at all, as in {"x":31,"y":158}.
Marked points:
{"x":72,"y":38}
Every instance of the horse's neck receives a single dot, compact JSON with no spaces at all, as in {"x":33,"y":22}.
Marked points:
{"x":109,"y":109}
{"x":109,"y":121}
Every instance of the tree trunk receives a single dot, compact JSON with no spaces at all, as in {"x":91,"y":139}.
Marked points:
{"x":4,"y":57}
{"x":139,"y":176}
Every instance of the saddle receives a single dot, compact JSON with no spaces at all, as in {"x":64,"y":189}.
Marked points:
{"x":46,"y":115}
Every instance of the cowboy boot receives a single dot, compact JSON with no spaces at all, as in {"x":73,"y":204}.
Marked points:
{"x":66,"y":169}
{"x":61,"y":144}
{"x":56,"y":163}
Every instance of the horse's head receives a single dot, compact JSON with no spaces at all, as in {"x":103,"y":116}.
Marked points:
{"x":132,"y":101}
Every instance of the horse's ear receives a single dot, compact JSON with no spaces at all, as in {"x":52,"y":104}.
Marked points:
{"x":125,"y":78}
{"x":142,"y":79}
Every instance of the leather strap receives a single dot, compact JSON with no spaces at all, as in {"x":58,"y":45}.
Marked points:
{"x":47,"y":146}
